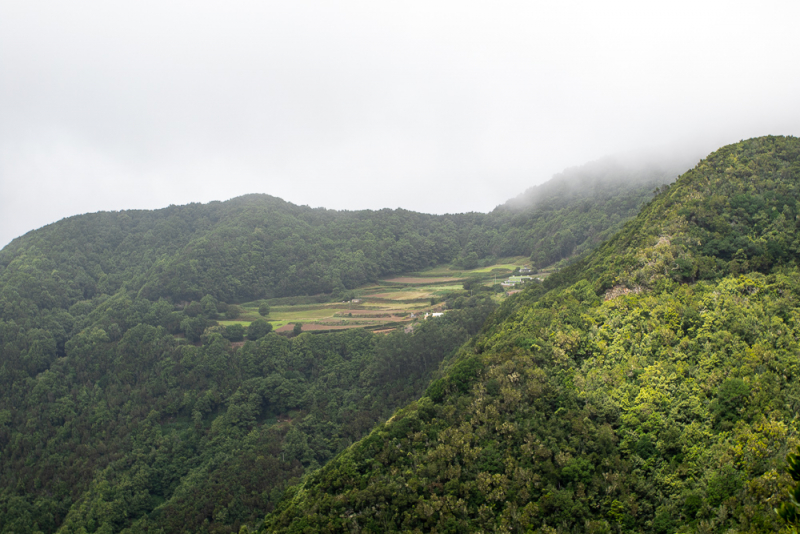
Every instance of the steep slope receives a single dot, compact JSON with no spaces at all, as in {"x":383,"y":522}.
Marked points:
{"x":735,"y":212}
{"x":143,"y":431}
{"x":581,"y":207}
{"x":111,"y":420}
{"x":667,"y":406}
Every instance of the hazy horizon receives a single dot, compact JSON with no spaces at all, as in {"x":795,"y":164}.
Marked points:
{"x":629,"y":160}
{"x":433,"y":107}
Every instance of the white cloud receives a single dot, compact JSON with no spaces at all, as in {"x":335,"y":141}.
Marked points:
{"x":432,"y":106}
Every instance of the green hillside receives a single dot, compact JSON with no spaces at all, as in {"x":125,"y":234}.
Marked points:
{"x":257,"y":246}
{"x":250,"y":247}
{"x":140,"y":430}
{"x":124,"y":406}
{"x":583,"y":206}
{"x":653,"y":388}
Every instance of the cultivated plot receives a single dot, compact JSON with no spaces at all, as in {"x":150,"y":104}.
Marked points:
{"x":383,"y":306}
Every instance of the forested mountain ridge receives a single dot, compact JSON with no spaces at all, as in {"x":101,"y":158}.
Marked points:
{"x":653,"y":388}
{"x":257,"y":246}
{"x":583,"y":206}
{"x":250,"y":247}
{"x":111,"y":420}
{"x":736,"y":212}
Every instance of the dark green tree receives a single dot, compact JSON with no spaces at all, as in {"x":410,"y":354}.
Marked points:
{"x":209,"y":305}
{"x":234,"y":332}
{"x":258,"y":329}
{"x":790,"y":512}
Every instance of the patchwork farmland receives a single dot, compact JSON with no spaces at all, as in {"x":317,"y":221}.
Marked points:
{"x":380,"y":307}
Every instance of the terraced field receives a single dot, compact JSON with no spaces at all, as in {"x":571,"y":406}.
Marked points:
{"x":381,"y":307}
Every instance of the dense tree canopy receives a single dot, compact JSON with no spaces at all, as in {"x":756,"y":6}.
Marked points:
{"x":654,"y":388}
{"x":257,"y":246}
{"x":649,"y":387}
{"x":134,"y":429}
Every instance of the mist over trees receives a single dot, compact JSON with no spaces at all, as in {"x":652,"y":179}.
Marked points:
{"x":648,"y":385}
{"x":651,"y":389}
{"x":258,"y":246}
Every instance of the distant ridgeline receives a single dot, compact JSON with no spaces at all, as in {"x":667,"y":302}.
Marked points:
{"x":110,"y":421}
{"x":257,"y":246}
{"x":654,"y":388}
{"x":583,"y":206}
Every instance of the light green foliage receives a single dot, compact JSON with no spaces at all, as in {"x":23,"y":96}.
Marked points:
{"x":668,"y":406}
{"x":735,"y":212}
{"x":651,"y":387}
{"x":582,"y":413}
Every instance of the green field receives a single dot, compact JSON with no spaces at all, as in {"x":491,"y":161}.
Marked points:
{"x":379,"y":303}
{"x":506,"y":264}
{"x":503,"y":267}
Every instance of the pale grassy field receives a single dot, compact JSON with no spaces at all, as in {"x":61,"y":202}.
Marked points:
{"x":510,"y":264}
{"x":503,"y":267}
{"x":389,"y":306}
{"x":379,"y":299}
{"x":327,"y":314}
{"x":401,"y":295}
{"x":422,"y":280}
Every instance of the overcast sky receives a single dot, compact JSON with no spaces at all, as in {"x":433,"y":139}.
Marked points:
{"x":430,"y":106}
